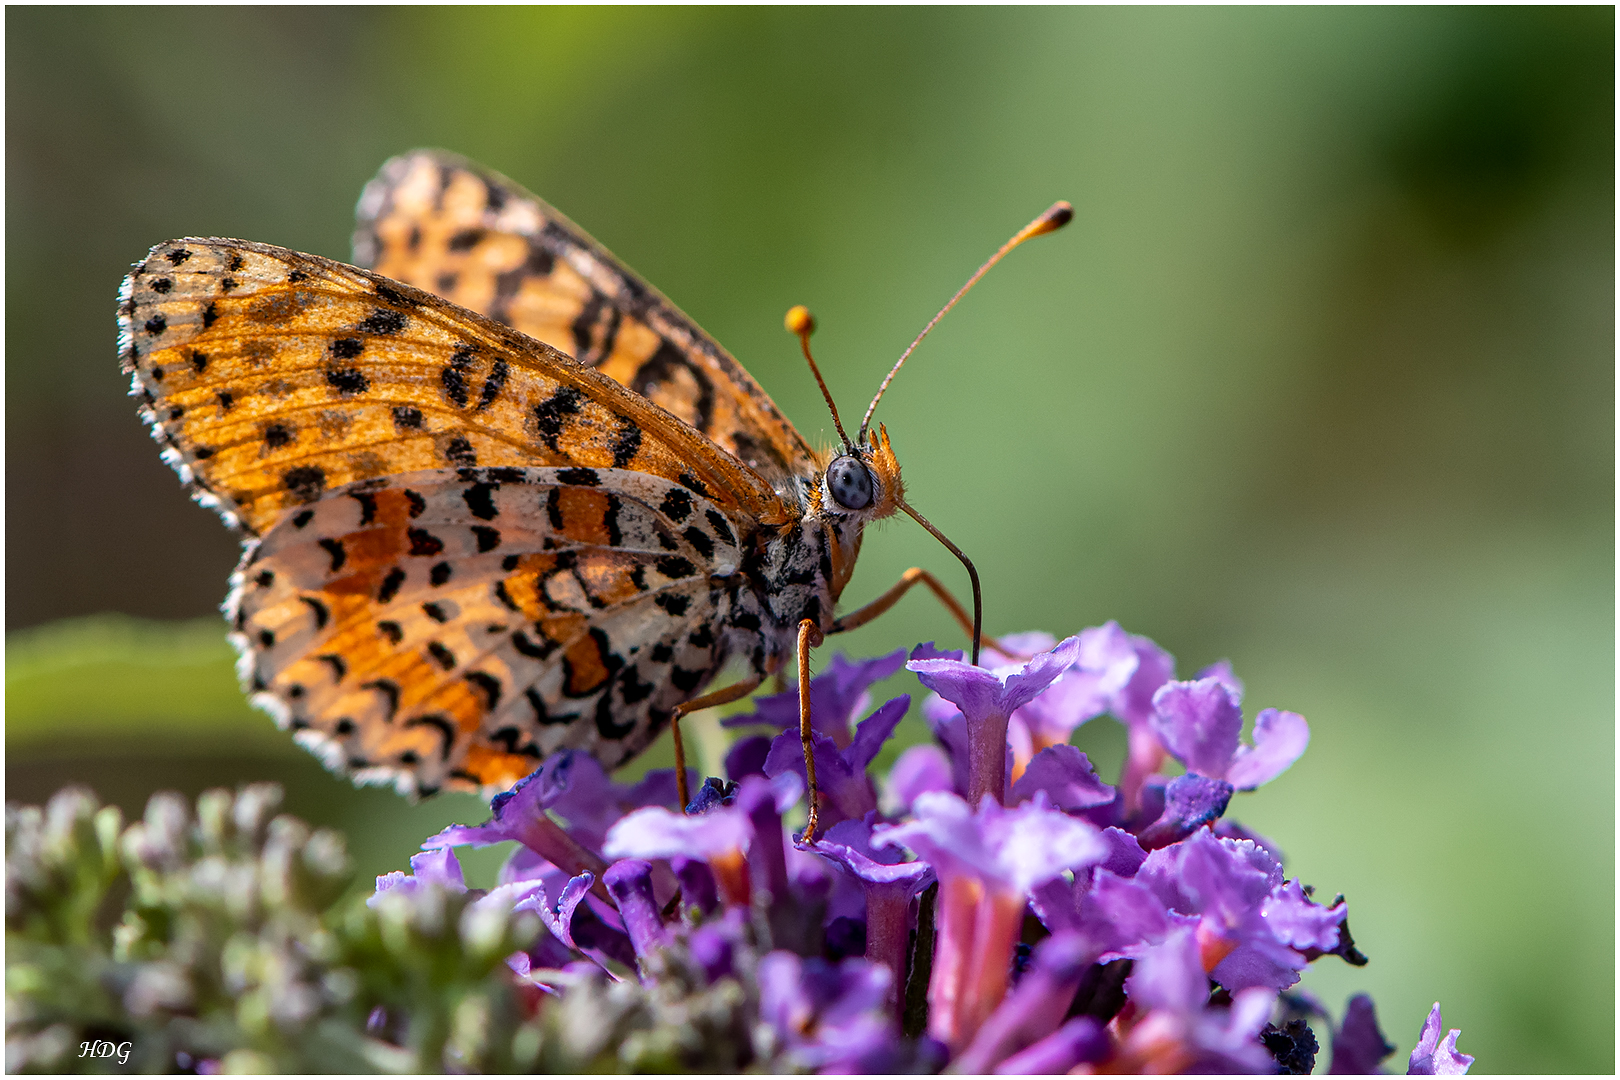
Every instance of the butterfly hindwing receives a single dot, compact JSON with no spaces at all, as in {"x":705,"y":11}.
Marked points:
{"x":448,"y":226}
{"x":450,"y":628}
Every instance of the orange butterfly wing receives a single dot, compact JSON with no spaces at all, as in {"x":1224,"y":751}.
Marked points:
{"x":448,"y":226}
{"x":470,"y":549}
{"x":272,"y":376}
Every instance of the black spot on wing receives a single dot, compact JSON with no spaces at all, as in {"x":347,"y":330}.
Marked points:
{"x":664,"y":366}
{"x":488,"y":685}
{"x":673,"y":566}
{"x":489,"y":538}
{"x":423,"y":542}
{"x":677,"y":505}
{"x":318,"y":610}
{"x":389,"y":689}
{"x":523,"y":644}
{"x":383,"y":321}
{"x":407,"y":417}
{"x":368,"y":506}
{"x":347,"y":348}
{"x":439,"y":574}
{"x":542,"y":714}
{"x":453,"y":377}
{"x":334,"y":548}
{"x":444,"y":656}
{"x":446,"y":731}
{"x":579,"y":477}
{"x":700,"y":541}
{"x":390,"y":587}
{"x":722,"y":527}
{"x":480,"y":501}
{"x":627,"y":443}
{"x":347,"y":381}
{"x":633,"y":688}
{"x":306,"y":482}
{"x":390,"y":629}
{"x":606,"y":723}
{"x":551,"y":415}
{"x":498,"y":373}
{"x":674,"y":603}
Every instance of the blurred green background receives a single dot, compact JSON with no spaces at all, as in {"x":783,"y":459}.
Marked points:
{"x":1320,"y":379}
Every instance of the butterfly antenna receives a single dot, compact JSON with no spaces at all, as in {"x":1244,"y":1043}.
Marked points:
{"x":973,"y":576}
{"x":1056,"y":216}
{"x":801,"y":323}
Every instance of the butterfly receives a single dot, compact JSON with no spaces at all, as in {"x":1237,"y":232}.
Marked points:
{"x":499,"y":497}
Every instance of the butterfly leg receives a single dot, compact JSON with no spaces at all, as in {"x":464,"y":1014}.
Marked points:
{"x":863,"y":615}
{"x":707,"y":701}
{"x":809,"y":637}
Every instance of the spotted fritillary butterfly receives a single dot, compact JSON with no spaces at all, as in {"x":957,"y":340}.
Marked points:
{"x":499,"y":496}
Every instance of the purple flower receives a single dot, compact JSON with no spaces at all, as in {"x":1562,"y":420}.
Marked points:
{"x":1035,"y":1008}
{"x":1132,"y":704}
{"x":826,"y":1018}
{"x":987,"y":860}
{"x":722,"y":837}
{"x":1434,"y":1056}
{"x":1067,"y":778}
{"x":1199,"y":722}
{"x":1078,"y":1042}
{"x":520,"y":814}
{"x":1102,"y":668}
{"x":1190,"y":802}
{"x":1249,"y":917}
{"x":629,"y":882}
{"x":1174,"y":1031}
{"x":987,"y":700}
{"x":429,"y":868}
{"x":845,"y":789}
{"x":1358,"y":1045}
{"x":918,"y":769}
{"x":837,"y":696}
{"x":887,"y":883}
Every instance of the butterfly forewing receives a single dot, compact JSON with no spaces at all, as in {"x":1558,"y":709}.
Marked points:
{"x":272,"y":377}
{"x":448,"y":226}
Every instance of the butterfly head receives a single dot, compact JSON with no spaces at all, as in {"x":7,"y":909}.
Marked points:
{"x":862,"y":481}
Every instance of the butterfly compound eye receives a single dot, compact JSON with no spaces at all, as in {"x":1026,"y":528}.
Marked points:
{"x":850,"y":483}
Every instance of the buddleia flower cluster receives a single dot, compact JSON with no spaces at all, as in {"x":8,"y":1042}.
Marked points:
{"x":990,"y":905}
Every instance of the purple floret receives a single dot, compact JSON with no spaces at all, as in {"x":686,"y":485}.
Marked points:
{"x":1199,"y":722}
{"x":1436,"y":1056}
{"x":1359,"y":1047}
